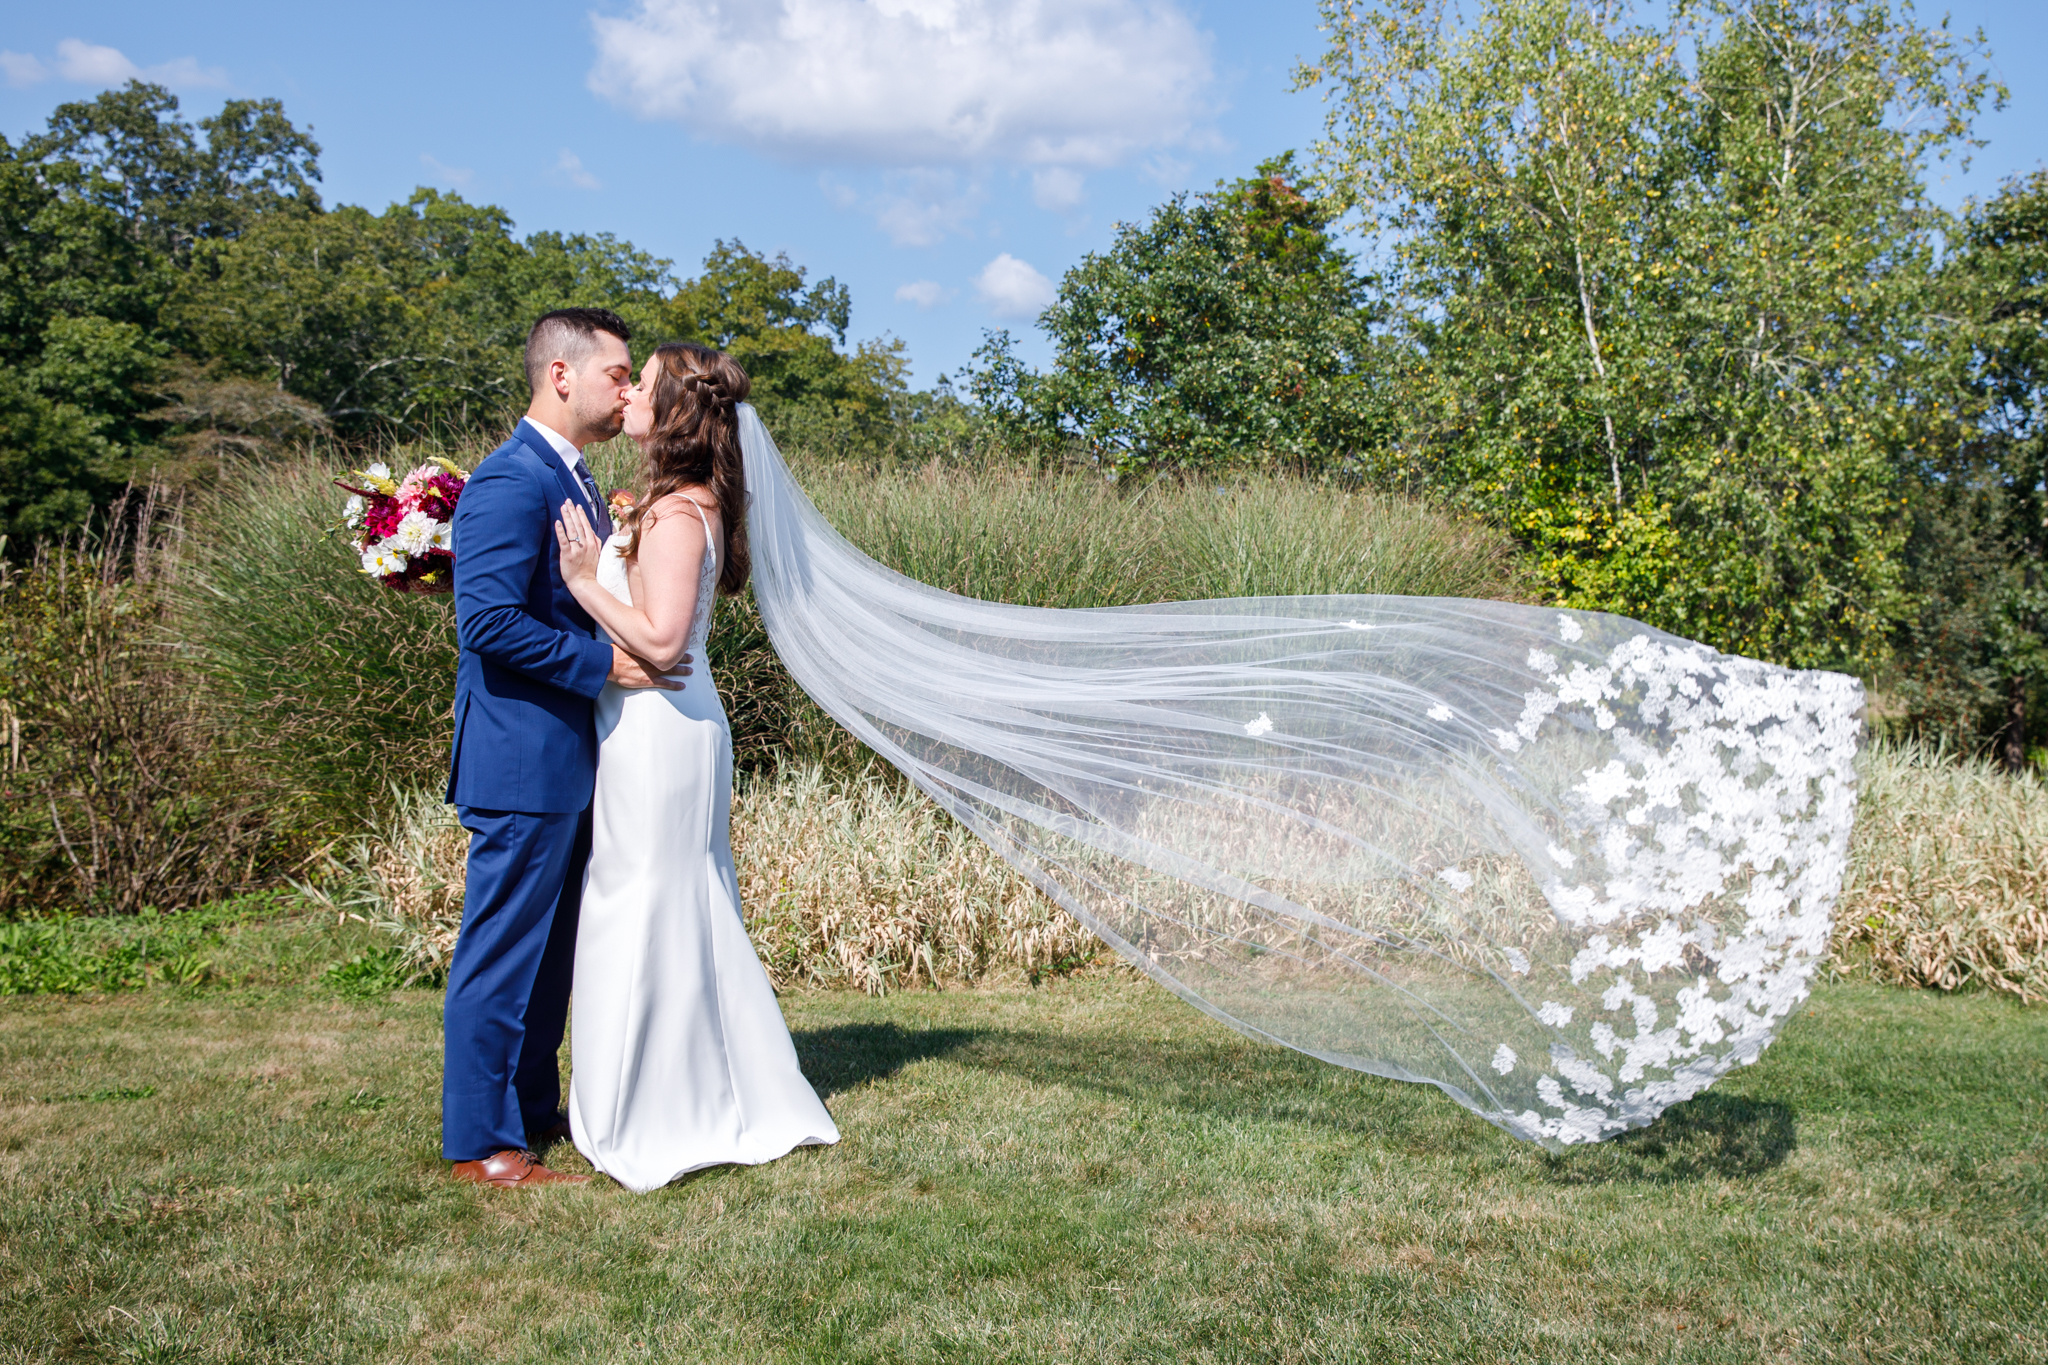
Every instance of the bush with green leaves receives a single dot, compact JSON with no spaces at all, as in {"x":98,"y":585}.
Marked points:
{"x":1227,"y":332}
{"x":119,"y":793}
{"x":1668,"y":290}
{"x":1971,"y":659}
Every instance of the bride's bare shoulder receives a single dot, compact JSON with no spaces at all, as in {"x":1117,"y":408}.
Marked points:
{"x":680,"y":503}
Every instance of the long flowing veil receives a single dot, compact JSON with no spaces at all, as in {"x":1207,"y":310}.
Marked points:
{"x":1566,"y":867}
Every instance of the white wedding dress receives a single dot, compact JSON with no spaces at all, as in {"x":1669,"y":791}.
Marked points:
{"x":680,"y":1058}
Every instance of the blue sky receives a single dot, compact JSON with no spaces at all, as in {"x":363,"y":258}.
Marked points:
{"x":945,"y":159}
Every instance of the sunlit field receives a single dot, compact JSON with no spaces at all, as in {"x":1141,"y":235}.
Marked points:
{"x":248,"y":1170}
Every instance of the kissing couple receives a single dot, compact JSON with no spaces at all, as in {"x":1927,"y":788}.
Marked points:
{"x":592,"y":766}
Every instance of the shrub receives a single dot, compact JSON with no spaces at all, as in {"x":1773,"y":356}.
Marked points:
{"x":118,"y":794}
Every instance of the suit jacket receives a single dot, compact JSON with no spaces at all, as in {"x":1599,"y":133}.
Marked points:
{"x":530,"y":663}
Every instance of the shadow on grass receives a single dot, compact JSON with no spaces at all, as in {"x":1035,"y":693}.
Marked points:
{"x":1227,"y":1078}
{"x":848,"y":1055}
{"x":1711,"y":1136}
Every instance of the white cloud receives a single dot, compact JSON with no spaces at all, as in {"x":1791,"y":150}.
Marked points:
{"x":21,"y":69}
{"x":923,"y":293}
{"x":915,"y":207}
{"x":914,"y":82}
{"x":1163,"y":169}
{"x":570,"y":167}
{"x":92,"y":64}
{"x":839,"y":192}
{"x":458,"y":176}
{"x":183,"y":73}
{"x":1056,"y":188}
{"x":1012,"y":288}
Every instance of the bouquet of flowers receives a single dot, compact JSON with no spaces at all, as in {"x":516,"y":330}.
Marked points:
{"x":402,"y":527}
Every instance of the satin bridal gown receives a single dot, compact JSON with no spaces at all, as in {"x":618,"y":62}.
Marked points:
{"x":680,"y":1058}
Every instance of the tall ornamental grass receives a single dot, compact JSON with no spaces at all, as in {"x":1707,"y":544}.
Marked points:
{"x":847,"y":881}
{"x":342,"y":688}
{"x":1073,"y":540}
{"x":1948,"y":875}
{"x":339,"y":688}
{"x":857,"y":880}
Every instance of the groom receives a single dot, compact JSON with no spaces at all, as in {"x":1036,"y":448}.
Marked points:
{"x":525,"y":755}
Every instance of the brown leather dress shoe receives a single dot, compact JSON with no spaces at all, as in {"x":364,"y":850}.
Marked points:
{"x":510,"y":1169}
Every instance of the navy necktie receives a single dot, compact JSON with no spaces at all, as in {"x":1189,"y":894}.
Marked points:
{"x":600,"y":515}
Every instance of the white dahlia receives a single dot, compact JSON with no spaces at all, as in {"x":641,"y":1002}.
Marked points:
{"x":380,"y":560}
{"x":413,"y":534}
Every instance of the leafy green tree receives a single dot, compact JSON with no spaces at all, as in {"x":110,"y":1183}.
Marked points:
{"x":52,"y":463}
{"x":790,"y":338}
{"x":309,"y":301}
{"x":127,"y":151}
{"x":99,"y":216}
{"x":62,"y":256}
{"x":1669,"y":291}
{"x":1973,"y":656}
{"x":170,"y":291}
{"x":409,"y":320}
{"x":1228,"y":330}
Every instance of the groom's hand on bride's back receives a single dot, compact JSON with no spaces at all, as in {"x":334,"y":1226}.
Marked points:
{"x":628,"y":671}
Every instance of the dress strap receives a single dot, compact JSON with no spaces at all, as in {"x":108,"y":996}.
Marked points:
{"x":710,"y":541}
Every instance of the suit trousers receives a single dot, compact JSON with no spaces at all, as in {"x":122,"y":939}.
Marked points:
{"x":508,"y":984}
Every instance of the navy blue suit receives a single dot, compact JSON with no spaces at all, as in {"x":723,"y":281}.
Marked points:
{"x":521,"y":773}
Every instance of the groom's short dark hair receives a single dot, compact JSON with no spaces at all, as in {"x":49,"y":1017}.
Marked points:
{"x":568,"y":334}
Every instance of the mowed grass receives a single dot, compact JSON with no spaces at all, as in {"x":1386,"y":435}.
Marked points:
{"x":1085,"y":1171}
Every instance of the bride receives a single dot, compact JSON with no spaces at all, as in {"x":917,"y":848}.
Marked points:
{"x":680,"y":1057}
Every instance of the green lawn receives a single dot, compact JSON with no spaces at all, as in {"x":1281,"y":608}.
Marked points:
{"x":1086,"y":1171}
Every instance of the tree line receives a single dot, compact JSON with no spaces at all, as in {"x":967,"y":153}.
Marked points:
{"x":1669,"y":301}
{"x":172,"y":294}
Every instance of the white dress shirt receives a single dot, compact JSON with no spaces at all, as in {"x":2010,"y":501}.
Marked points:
{"x":570,"y":454}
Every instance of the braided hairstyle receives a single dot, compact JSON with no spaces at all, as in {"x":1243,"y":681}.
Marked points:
{"x":695,"y":441}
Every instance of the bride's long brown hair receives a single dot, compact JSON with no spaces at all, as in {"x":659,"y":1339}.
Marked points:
{"x":696,"y":441}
